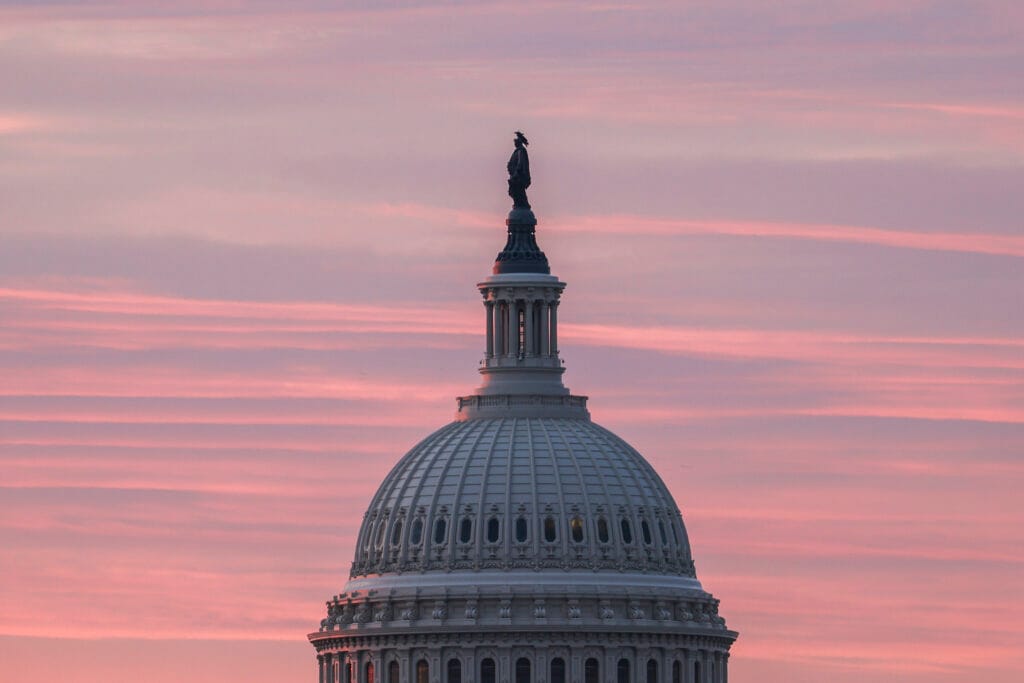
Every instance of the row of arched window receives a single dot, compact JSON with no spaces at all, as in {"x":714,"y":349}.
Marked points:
{"x":524,"y":671}
{"x":422,"y":672}
{"x":521,"y":531}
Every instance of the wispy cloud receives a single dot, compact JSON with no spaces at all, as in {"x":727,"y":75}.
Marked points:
{"x":240,"y":242}
{"x":1004,"y":245}
{"x":14,"y":123}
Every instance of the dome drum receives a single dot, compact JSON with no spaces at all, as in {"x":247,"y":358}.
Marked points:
{"x":575,"y":622}
{"x":521,"y":656}
{"x":604,"y":607}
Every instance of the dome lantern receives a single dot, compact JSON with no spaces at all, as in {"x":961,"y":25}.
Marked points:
{"x":521,"y":367}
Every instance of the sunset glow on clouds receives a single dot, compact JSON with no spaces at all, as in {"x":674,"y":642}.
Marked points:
{"x":240,"y":243}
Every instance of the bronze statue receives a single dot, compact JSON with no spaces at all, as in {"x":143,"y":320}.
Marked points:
{"x":519,"y":173}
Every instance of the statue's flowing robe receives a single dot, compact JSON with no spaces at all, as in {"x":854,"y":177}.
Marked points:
{"x":519,"y":176}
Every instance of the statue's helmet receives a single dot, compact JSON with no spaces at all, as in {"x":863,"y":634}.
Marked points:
{"x":521,"y":138}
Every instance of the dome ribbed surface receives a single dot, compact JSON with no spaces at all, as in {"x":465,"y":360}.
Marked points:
{"x":529,"y":492}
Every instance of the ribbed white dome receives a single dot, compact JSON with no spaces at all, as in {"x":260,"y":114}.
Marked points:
{"x":522,"y":492}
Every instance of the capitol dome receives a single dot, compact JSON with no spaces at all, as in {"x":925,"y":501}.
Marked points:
{"x":522,"y":542}
{"x":508,"y":493}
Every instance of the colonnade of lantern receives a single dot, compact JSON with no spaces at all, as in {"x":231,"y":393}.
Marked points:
{"x":521,"y":326}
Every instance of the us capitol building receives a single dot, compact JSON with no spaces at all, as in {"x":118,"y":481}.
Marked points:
{"x":522,"y":543}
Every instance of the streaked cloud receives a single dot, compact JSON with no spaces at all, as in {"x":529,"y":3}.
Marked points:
{"x":1005,"y":245}
{"x":240,"y":244}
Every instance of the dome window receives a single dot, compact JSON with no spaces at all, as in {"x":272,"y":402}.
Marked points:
{"x":380,"y":532}
{"x":645,"y":531}
{"x":602,"y":529}
{"x":652,"y":671}
{"x":488,"y":671}
{"x":416,"y":533}
{"x":622,"y":671}
{"x":627,"y":531}
{"x":661,"y":528}
{"x":522,"y":530}
{"x":523,"y":670}
{"x":557,"y":670}
{"x":550,"y":531}
{"x":493,"y":530}
{"x":466,"y":530}
{"x":454,"y":671}
{"x":396,"y":533}
{"x":576,"y":529}
{"x":440,"y":531}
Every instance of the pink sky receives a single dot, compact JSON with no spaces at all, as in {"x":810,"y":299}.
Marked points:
{"x":240,"y":243}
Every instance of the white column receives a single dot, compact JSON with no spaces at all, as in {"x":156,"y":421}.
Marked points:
{"x":528,"y":336}
{"x":513,"y":329}
{"x":504,"y":672}
{"x":545,"y":339}
{"x":489,"y":351}
{"x":554,"y":328}
{"x":499,"y":330}
{"x":405,"y":666}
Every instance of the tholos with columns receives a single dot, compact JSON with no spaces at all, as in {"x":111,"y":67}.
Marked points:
{"x":532,"y":341}
{"x":489,"y":351}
